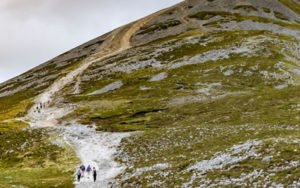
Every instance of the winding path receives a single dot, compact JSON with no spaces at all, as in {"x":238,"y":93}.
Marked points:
{"x":117,"y":42}
{"x":94,"y":148}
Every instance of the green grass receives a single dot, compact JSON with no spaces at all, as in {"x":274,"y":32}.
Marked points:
{"x":28,"y":158}
{"x":130,"y":115}
{"x":143,"y":110}
{"x":12,"y":125}
{"x":183,"y":134}
{"x":36,"y":177}
{"x":16,"y":105}
{"x":180,"y":135}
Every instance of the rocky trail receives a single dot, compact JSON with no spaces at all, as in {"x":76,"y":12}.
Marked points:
{"x":94,"y":148}
{"x":212,"y":92}
{"x":97,"y":150}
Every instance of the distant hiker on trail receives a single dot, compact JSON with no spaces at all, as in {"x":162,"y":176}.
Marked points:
{"x":94,"y":174}
{"x":82,"y":168}
{"x":89,"y":169}
{"x":78,"y":175}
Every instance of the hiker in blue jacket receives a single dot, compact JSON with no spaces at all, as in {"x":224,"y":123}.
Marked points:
{"x":89,"y":169}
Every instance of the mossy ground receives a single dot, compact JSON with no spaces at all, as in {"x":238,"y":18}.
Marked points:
{"x":144,"y":109}
{"x":199,"y":110}
{"x":240,"y":107}
{"x":30,"y":159}
{"x":16,"y":105}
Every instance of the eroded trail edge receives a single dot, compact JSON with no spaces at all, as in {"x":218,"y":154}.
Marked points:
{"x":97,"y":149}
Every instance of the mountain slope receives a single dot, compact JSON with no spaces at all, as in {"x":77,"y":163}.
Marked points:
{"x":211,"y":86}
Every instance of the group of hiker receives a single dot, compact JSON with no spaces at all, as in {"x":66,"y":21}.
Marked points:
{"x":41,"y":106}
{"x":82,"y":169}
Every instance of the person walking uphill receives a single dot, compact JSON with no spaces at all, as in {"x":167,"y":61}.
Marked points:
{"x":94,"y":174}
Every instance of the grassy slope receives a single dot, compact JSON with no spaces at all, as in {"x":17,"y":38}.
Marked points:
{"x":184,"y":134}
{"x":227,"y":17}
{"x":176,"y":134}
{"x":138,"y":103}
{"x":197,"y":131}
{"x":28,"y":158}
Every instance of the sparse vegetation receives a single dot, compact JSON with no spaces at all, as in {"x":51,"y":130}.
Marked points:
{"x":267,"y":10}
{"x":185,"y":133}
{"x":226,"y":17}
{"x":279,"y":15}
{"x":228,"y":90}
{"x":292,"y":5}
{"x":206,"y":15}
{"x":159,"y":27}
{"x":245,"y":7}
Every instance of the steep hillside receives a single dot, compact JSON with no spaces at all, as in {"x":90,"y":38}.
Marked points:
{"x":202,"y":94}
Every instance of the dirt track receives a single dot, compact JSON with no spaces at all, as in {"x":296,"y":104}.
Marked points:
{"x":118,"y":41}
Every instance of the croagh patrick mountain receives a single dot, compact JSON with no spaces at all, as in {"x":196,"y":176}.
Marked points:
{"x":202,"y":94}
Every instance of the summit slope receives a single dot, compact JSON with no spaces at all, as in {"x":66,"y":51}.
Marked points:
{"x":201,"y":94}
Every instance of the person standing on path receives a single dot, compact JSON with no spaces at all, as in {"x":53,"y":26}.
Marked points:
{"x":82,"y":168}
{"x":88,"y":170}
{"x":78,"y":175}
{"x":94,"y":174}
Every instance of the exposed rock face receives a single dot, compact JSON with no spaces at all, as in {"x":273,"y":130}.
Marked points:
{"x":210,"y":86}
{"x":110,"y":87}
